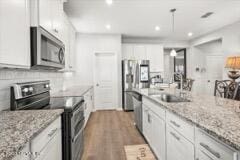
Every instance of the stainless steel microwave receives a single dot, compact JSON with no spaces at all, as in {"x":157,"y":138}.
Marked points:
{"x":47,"y":52}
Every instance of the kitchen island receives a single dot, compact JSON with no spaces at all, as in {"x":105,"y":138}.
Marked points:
{"x":217,"y":117}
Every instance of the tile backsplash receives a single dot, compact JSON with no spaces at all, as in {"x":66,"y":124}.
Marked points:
{"x":9,"y":77}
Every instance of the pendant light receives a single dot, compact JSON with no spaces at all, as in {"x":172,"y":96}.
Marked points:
{"x":173,"y":52}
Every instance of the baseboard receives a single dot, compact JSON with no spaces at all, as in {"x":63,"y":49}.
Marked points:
{"x":119,"y":109}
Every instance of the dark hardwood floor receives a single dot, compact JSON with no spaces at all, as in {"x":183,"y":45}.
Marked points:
{"x":106,"y":134}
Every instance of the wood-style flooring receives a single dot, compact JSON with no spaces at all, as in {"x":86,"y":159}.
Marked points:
{"x":106,"y":134}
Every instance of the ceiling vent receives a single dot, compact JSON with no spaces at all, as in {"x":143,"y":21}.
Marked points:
{"x":206,"y":15}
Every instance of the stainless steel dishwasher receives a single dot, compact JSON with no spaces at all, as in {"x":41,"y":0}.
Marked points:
{"x":137,"y":105}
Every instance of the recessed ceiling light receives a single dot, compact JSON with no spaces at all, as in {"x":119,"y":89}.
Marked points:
{"x":108,"y":26}
{"x":109,"y":2}
{"x":157,"y":28}
{"x":190,"y":34}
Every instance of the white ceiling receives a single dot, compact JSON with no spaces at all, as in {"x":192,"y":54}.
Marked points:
{"x":139,"y":17}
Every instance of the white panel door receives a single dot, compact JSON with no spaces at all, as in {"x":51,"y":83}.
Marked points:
{"x":214,"y":71}
{"x":105,"y":78}
{"x":140,"y":52}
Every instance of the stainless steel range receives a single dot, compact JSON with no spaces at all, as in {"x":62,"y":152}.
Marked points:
{"x":36,"y":95}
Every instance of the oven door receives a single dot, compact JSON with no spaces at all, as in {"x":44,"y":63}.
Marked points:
{"x":46,"y":50}
{"x":78,"y":141}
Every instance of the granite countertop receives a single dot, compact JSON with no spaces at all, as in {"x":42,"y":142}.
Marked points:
{"x":72,"y":91}
{"x":217,"y":116}
{"x":18,"y":127}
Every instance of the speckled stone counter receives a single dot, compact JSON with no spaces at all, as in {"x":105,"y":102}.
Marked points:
{"x":19,"y":127}
{"x":217,"y":116}
{"x":72,"y":91}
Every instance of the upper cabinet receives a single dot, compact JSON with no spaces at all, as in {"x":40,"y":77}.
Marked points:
{"x":152,"y":52}
{"x":156,"y":56}
{"x":69,"y":39}
{"x":49,"y":15}
{"x":14,"y":33}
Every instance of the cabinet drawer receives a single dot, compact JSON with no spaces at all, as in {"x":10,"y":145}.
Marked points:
{"x":212,"y":148}
{"x":178,"y":147}
{"x":155,"y":107}
{"x":184,"y":128}
{"x":41,"y":140}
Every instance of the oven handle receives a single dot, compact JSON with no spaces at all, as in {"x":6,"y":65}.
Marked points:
{"x":78,"y":134}
{"x":80,"y":108}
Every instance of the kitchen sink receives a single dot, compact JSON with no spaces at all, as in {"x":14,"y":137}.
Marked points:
{"x":169,"y":98}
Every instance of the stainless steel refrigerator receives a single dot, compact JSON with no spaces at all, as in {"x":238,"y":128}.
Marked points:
{"x":135,"y":74}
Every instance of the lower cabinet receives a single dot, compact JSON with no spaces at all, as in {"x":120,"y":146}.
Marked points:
{"x":154,"y":132}
{"x":158,"y":136}
{"x":178,"y":147}
{"x":48,"y":144}
{"x":88,"y":106}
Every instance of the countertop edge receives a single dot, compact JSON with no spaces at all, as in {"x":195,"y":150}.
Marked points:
{"x":28,"y":140}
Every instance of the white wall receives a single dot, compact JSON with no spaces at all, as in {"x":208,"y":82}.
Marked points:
{"x":225,"y":42}
{"x":86,"y":46}
{"x":230,"y":36}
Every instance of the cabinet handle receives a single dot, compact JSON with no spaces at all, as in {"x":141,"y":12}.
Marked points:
{"x":175,"y":136}
{"x":149,"y":118}
{"x":215,"y":153}
{"x":207,"y":155}
{"x":55,"y":30}
{"x":175,"y":124}
{"x":52,"y":132}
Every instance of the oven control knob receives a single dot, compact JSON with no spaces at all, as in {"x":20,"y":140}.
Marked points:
{"x":30,"y":89}
{"x":47,"y":86}
{"x":25,"y":90}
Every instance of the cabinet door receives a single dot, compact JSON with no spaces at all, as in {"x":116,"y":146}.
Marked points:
{"x":14,"y":33}
{"x":158,"y":136}
{"x":140,"y":52}
{"x":57,"y":18}
{"x":45,"y":15}
{"x":156,"y":56}
{"x":146,"y":123}
{"x":72,"y":47}
{"x":178,"y":147}
{"x":53,"y":150}
{"x":127,"y":51}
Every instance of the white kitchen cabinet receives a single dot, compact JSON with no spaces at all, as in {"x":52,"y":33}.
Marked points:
{"x":158,"y":136}
{"x":152,"y":52}
{"x":44,"y":13}
{"x":140,"y":52}
{"x":69,"y":39}
{"x":14,"y":33}
{"x":178,"y":147}
{"x":127,"y":51}
{"x":88,"y":106}
{"x":49,"y":15}
{"x":146,"y":123}
{"x":156,"y":56}
{"x":72,"y":47}
{"x":48,"y":143}
{"x":207,"y":148}
{"x":154,"y":132}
